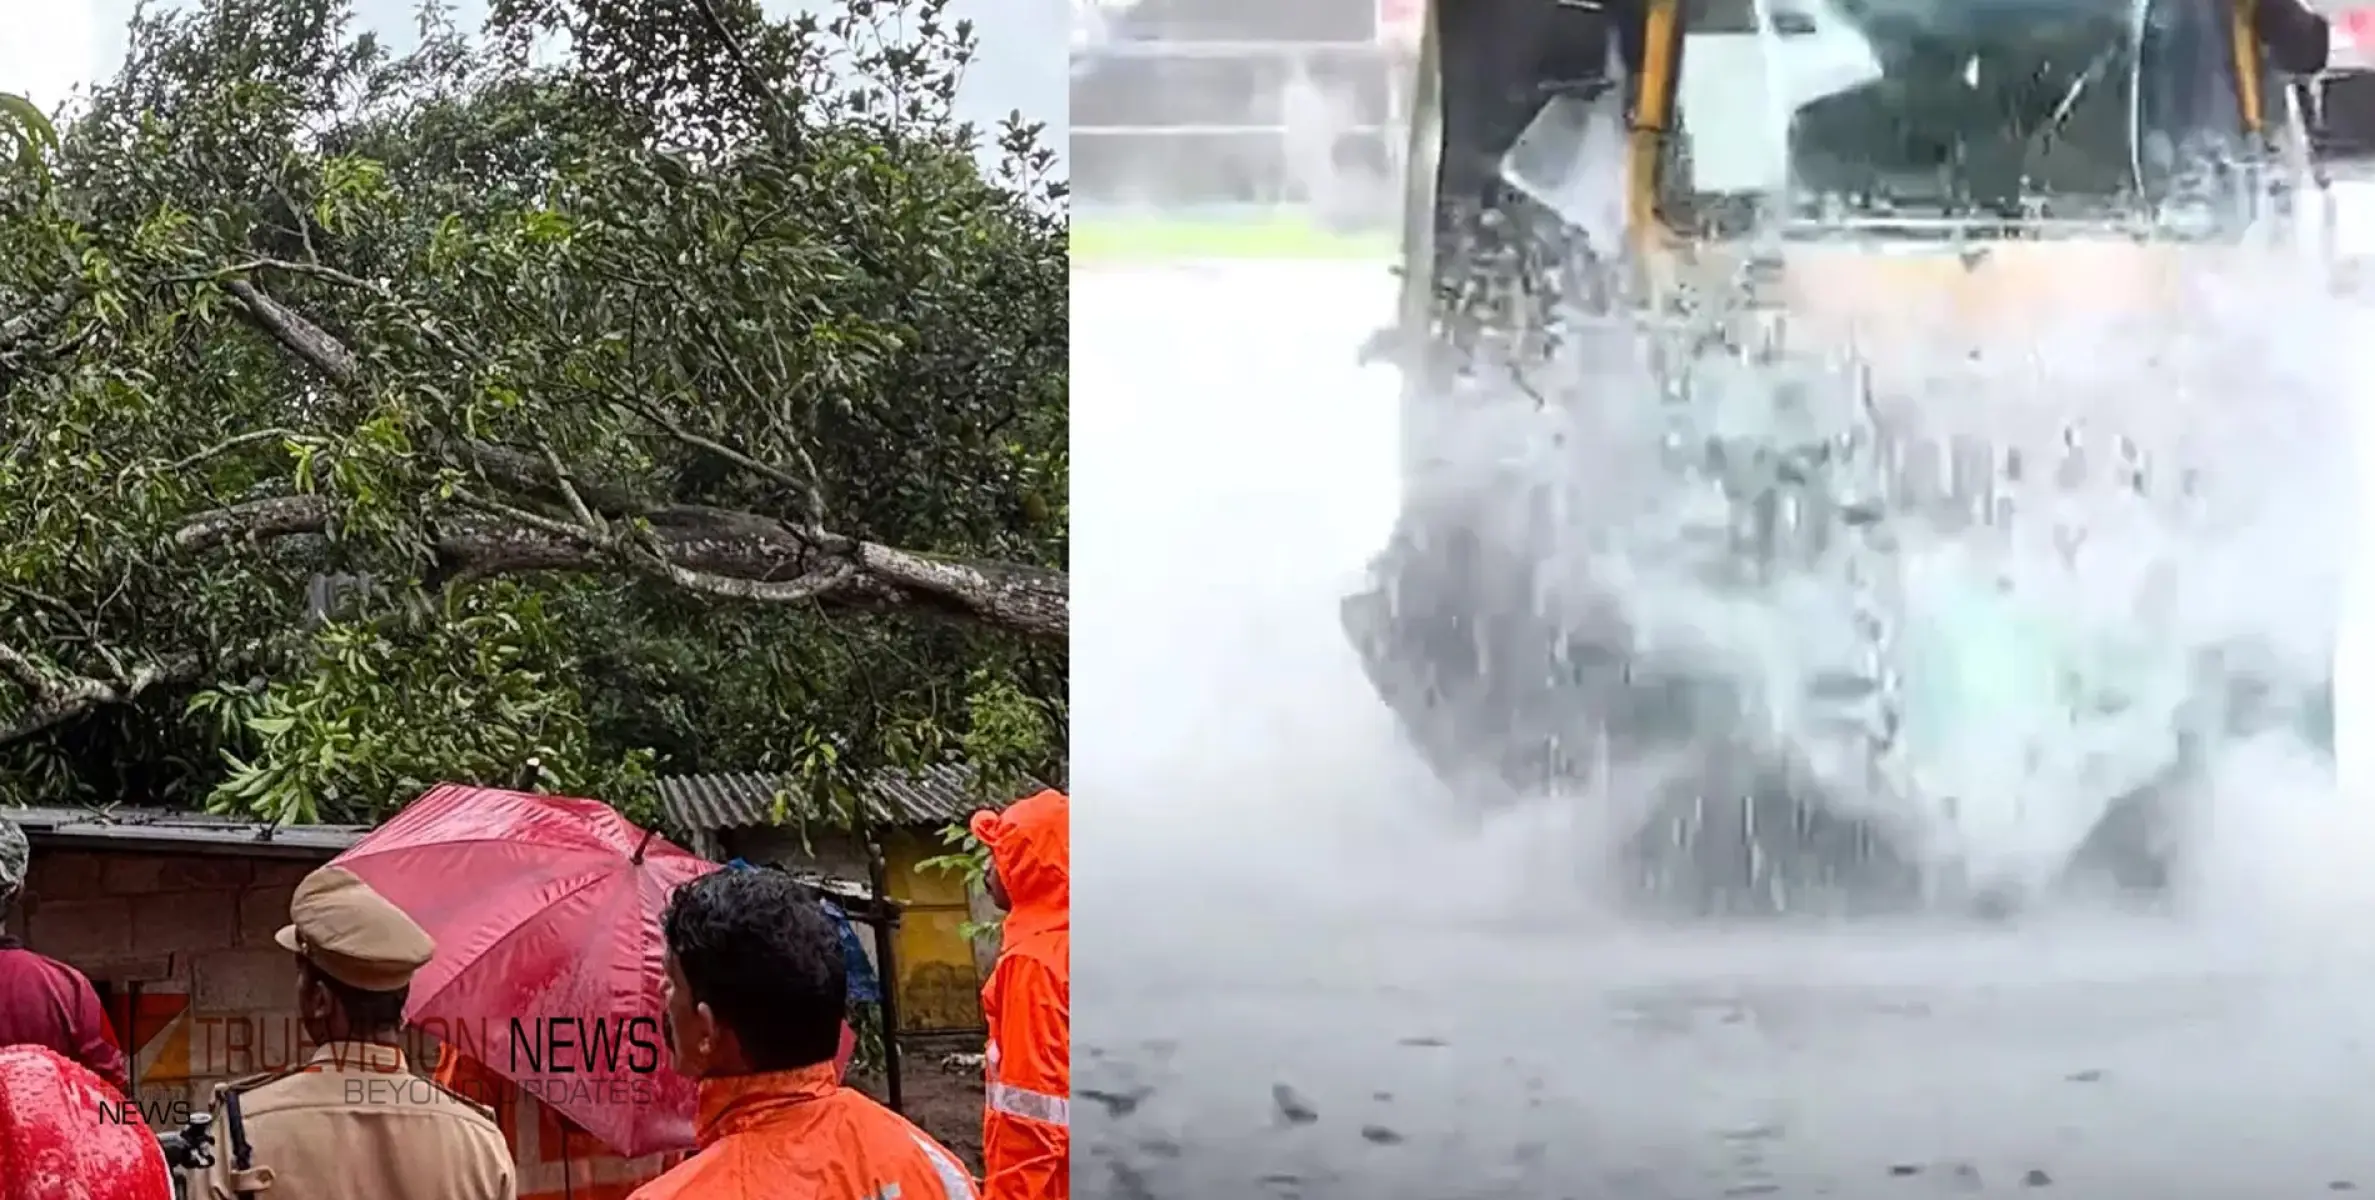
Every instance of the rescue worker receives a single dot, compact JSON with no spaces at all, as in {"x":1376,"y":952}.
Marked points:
{"x":352,"y":1121}
{"x":44,"y":1002}
{"x":757,"y":991}
{"x":65,"y":1135}
{"x":1026,"y":1130}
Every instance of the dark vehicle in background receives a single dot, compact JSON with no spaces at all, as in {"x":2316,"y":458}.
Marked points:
{"x":2341,"y":99}
{"x":2339,"y":110}
{"x":1777,"y":184}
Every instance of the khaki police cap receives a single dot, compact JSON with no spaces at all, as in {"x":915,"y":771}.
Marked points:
{"x":352,"y":933}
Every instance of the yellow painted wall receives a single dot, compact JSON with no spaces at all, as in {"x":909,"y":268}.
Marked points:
{"x":939,"y":985}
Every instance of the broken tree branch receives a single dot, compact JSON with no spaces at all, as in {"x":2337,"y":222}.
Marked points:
{"x":241,"y":270}
{"x":297,"y":335}
{"x":229,"y":444}
{"x":807,"y":489}
{"x":53,"y":697}
{"x":715,"y":552}
{"x":577,"y":505}
{"x":255,"y":521}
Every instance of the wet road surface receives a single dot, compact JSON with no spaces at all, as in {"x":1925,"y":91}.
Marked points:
{"x":1299,"y":977}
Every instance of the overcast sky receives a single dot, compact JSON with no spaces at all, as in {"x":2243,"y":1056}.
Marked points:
{"x":47,"y":47}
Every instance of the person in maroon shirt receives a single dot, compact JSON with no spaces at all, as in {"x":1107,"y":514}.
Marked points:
{"x":44,"y":1002}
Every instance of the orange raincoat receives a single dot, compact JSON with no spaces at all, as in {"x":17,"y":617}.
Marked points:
{"x":555,"y":1158}
{"x":800,"y":1135}
{"x":1026,"y":1132}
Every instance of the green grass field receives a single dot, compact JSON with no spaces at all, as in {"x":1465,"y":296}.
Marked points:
{"x":1139,"y":240}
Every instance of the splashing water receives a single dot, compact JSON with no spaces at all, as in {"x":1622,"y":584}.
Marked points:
{"x":1282,"y":906}
{"x":1979,"y":574}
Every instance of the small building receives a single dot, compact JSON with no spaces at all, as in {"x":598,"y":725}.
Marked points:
{"x":172,"y":916}
{"x":765,"y":819}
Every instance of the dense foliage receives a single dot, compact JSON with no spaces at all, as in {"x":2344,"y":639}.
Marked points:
{"x":682,"y":398}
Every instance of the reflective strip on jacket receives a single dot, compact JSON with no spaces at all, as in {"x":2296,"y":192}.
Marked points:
{"x":800,"y":1135}
{"x":1026,"y":1135}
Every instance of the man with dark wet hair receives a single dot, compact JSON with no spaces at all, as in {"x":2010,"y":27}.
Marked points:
{"x":757,"y":991}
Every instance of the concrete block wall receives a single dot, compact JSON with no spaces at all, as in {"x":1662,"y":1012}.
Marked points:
{"x":194,"y":932}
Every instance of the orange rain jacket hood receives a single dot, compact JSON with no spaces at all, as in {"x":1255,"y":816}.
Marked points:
{"x":800,"y":1135}
{"x":1026,"y":1136}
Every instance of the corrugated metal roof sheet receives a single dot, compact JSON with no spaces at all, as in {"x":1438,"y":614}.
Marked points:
{"x":942,"y":794}
{"x":167,"y":828}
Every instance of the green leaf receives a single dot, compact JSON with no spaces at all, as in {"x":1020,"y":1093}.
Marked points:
{"x":30,"y":127}
{"x":623,"y":254}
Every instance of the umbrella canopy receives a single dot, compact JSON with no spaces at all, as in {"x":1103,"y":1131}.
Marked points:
{"x":550,"y":958}
{"x":59,"y":1141}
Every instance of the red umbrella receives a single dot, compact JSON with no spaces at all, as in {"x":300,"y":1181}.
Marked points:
{"x":52,"y":1148}
{"x":549,"y":963}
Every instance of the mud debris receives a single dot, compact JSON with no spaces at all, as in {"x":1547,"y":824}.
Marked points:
{"x":1292,"y":1107}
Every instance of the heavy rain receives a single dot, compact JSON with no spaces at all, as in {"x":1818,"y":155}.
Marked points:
{"x":1335,"y":949}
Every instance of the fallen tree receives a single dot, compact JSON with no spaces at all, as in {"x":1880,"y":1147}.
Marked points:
{"x":369,"y":419}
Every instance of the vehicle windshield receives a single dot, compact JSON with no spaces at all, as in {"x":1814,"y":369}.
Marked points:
{"x":1954,"y":110}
